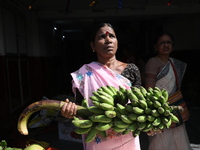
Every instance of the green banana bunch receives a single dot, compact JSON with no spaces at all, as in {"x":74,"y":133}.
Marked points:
{"x":124,"y":110}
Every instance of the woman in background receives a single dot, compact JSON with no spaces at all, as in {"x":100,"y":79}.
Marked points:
{"x":167,"y":73}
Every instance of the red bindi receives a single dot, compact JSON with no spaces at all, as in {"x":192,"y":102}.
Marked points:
{"x":107,"y":32}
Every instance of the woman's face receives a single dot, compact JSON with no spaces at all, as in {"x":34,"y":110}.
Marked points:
{"x":105,"y":43}
{"x":164,"y":45}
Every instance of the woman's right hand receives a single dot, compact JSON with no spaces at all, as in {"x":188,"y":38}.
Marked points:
{"x":69,"y":109}
{"x":153,"y":132}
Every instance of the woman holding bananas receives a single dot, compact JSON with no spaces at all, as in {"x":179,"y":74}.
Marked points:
{"x":107,"y":70}
{"x":165,"y":72}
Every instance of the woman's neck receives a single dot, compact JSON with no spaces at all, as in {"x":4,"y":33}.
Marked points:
{"x":114,"y":65}
{"x":164,"y":59}
{"x":110,"y":63}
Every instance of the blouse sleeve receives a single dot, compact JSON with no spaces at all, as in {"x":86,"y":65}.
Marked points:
{"x":132,"y":73}
{"x":151,"y":70}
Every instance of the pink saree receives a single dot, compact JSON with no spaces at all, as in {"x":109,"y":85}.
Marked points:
{"x":89,"y":78}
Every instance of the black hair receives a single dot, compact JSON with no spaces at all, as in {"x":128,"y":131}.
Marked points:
{"x":95,"y":30}
{"x":161,"y":34}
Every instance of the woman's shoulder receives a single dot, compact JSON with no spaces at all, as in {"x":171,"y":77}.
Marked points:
{"x":131,"y":66}
{"x":152,"y":59}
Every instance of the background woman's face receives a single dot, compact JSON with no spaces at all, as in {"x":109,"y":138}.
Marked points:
{"x":105,"y":43}
{"x":164,"y":45}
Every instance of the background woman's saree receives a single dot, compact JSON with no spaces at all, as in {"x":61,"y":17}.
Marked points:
{"x":89,"y":78}
{"x":170,"y":78}
{"x":173,"y":138}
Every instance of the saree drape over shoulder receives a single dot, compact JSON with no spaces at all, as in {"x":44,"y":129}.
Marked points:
{"x":89,"y":78}
{"x":170,"y":78}
{"x":166,"y":77}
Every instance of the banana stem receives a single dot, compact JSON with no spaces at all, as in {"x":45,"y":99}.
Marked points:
{"x":45,"y":104}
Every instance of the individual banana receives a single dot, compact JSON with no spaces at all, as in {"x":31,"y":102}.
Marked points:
{"x":113,"y":89}
{"x":110,"y":113}
{"x":150,"y":90}
{"x":142,"y":118}
{"x":157,"y":121}
{"x":167,"y":113}
{"x":106,"y":94}
{"x":133,"y":126}
{"x":107,"y":90}
{"x":102,"y":133}
{"x":133,"y":116}
{"x":161,"y":110}
{"x":82,"y":123}
{"x":148,"y":127}
{"x":126,"y":119}
{"x":136,"y":133}
{"x":138,"y":93}
{"x":147,"y":110}
{"x":165,"y":94}
{"x":91,"y":135}
{"x":135,"y":102}
{"x":126,"y":131}
{"x":164,"y":120}
{"x":149,"y":103}
{"x":161,"y":126}
{"x":156,"y":104}
{"x":122,"y":98}
{"x":138,"y":110}
{"x":129,"y":108}
{"x":143,"y":104}
{"x":116,"y":129}
{"x":82,"y":130}
{"x":122,"y":89}
{"x":155,"y":113}
{"x":100,"y":118}
{"x":154,"y":98}
{"x":157,"y":88}
{"x":105,"y":98}
{"x":118,"y":114}
{"x":104,"y":126}
{"x":141,"y":125}
{"x":143,"y":91}
{"x":96,"y":110}
{"x":174,"y":118}
{"x":121,"y":124}
{"x":44,"y":104}
{"x":94,"y":98}
{"x":161,"y":99}
{"x":157,"y":93}
{"x":121,"y":109}
{"x":166,"y":107}
{"x":84,"y":103}
{"x":131,"y":96}
{"x":106,"y":106}
{"x":150,"y":118}
{"x":96,"y":103}
{"x":168,"y":124}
